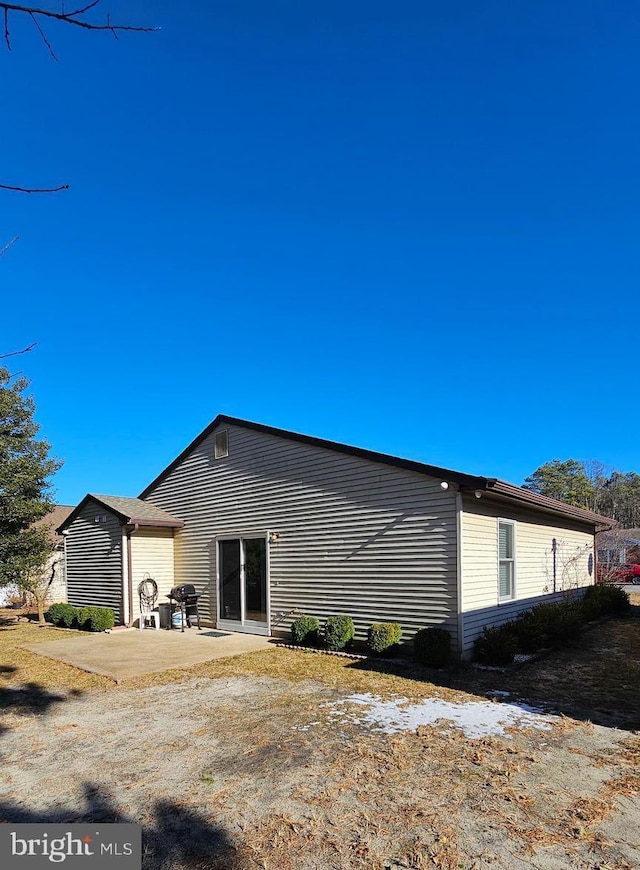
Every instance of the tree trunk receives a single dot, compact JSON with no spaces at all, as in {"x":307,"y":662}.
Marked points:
{"x":40,"y":603}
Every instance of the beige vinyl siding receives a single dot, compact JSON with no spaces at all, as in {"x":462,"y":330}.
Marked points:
{"x":152,"y":556}
{"x":534,"y":571}
{"x":94,"y":560}
{"x":355,"y":536}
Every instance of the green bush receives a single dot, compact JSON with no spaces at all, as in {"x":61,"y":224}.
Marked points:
{"x":96,"y":618}
{"x":592,"y":608}
{"x":529,"y":632}
{"x":559,"y":622}
{"x":496,"y":646}
{"x":432,"y":647}
{"x":304,"y":630}
{"x":339,"y":631}
{"x":603,"y":600}
{"x":553,"y":624}
{"x":383,"y":636}
{"x":62,"y":614}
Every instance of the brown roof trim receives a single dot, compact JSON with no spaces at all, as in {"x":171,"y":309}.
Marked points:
{"x":543,"y":502}
{"x":155,"y":524}
{"x":458,"y":477}
{"x":144,"y":521}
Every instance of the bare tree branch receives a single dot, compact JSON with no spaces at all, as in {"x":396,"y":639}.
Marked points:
{"x":8,"y":245}
{"x":42,"y":34}
{"x":75,"y":18}
{"x":34,"y":189}
{"x":18,"y":352}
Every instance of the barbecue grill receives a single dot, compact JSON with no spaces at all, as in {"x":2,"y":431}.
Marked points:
{"x":184,"y":599}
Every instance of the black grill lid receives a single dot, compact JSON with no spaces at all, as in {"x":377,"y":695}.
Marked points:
{"x":184,"y":591}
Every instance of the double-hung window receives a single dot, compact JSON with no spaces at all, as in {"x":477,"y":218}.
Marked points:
{"x":506,"y":560}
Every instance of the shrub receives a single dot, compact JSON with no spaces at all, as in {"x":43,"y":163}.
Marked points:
{"x":304,"y":630}
{"x":496,"y":646}
{"x":432,"y":647}
{"x":383,"y":636}
{"x":559,"y":623}
{"x":96,"y":618}
{"x":339,"y":631}
{"x":62,"y":614}
{"x":528,"y":632}
{"x":603,"y":600}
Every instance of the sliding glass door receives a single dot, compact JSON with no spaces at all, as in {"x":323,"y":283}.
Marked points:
{"x":242,"y":584}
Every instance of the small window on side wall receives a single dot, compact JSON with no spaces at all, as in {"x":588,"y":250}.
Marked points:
{"x":221,"y":444}
{"x":506,"y":560}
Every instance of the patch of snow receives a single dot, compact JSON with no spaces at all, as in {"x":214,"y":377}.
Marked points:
{"x":475,"y":718}
{"x":497,"y":693}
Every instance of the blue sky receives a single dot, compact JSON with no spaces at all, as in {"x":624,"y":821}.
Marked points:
{"x":409,"y":226}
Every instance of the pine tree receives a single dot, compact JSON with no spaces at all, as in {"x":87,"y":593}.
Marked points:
{"x":25,"y":488}
{"x":565,"y":480}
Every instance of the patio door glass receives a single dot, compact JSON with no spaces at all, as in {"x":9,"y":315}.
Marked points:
{"x":230,"y":580}
{"x":242,"y":579}
{"x":255,"y":579}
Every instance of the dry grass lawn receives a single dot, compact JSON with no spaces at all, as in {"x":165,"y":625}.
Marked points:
{"x":240,"y":763}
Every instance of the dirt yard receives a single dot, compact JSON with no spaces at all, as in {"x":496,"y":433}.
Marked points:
{"x":284,"y":759}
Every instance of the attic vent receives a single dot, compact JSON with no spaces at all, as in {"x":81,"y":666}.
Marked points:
{"x":221,"y":444}
{"x":100,"y":518}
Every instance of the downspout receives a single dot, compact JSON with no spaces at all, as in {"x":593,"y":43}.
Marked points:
{"x":459,"y":574}
{"x":130,"y":531}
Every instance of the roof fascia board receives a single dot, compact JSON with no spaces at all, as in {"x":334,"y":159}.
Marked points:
{"x":466,"y":480}
{"x":512,"y":493}
{"x":150,"y":522}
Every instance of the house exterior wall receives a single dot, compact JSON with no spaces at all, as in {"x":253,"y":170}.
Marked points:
{"x":94,"y":560}
{"x":55,"y":571}
{"x":355,"y":536}
{"x":152,"y":556}
{"x":534,"y":562}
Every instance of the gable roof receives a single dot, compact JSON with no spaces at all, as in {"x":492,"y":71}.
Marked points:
{"x":131,"y":511}
{"x":54,"y":519}
{"x":466,"y":482}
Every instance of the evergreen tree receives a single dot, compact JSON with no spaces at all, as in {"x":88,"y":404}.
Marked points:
{"x":592,"y":486}
{"x":25,"y":487}
{"x":565,"y":480}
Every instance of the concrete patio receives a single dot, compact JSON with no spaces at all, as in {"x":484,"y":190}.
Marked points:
{"x":127,"y":653}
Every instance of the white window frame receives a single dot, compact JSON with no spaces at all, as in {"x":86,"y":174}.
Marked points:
{"x":512,"y":560}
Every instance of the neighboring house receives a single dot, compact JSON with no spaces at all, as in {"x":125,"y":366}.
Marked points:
{"x":618,"y":546}
{"x":55,"y":568}
{"x":268,"y":523}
